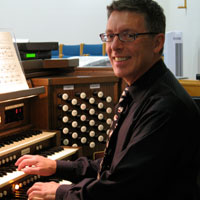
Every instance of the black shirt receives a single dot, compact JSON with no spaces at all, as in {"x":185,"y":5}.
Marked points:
{"x":157,"y":147}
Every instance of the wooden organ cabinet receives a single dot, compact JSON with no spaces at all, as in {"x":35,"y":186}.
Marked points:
{"x":79,"y":106}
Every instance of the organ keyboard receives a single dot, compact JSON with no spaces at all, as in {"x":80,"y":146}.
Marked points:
{"x":19,"y":143}
{"x":14,"y":177}
{"x":19,"y":137}
{"x":26,"y":142}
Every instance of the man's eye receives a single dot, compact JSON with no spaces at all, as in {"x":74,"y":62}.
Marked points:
{"x":124,"y":34}
{"x":127,"y":35}
{"x":110,"y":36}
{"x":131,"y":35}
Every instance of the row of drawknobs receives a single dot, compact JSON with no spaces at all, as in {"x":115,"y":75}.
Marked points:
{"x":84,"y":119}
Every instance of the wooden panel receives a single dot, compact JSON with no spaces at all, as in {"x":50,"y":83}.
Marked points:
{"x":94,"y":71}
{"x":191,"y":86}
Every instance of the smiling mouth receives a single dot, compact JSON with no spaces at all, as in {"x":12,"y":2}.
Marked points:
{"x":120,"y":59}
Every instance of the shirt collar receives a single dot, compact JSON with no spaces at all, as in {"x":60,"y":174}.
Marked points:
{"x":147,"y":79}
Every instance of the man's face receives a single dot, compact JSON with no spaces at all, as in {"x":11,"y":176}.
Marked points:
{"x":129,"y":59}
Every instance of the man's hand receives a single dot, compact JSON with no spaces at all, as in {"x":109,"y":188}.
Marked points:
{"x":34,"y":164}
{"x":43,"y":191}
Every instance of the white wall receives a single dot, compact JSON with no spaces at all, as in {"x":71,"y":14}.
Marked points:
{"x":77,"y":21}
{"x":187,"y":21}
{"x":65,"y":21}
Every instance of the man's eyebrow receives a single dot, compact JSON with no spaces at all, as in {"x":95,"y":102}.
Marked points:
{"x":123,"y":30}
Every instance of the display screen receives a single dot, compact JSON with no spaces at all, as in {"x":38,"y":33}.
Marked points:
{"x":14,"y":114}
{"x":30,"y":55}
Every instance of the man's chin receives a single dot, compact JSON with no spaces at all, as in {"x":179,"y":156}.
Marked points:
{"x":118,"y":73}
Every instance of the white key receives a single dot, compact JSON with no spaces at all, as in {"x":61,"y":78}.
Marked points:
{"x":65,"y":182}
{"x":62,"y":154}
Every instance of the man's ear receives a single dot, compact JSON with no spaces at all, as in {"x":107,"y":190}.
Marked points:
{"x":159,"y":40}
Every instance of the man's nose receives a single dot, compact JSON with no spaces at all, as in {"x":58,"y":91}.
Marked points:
{"x":116,"y":43}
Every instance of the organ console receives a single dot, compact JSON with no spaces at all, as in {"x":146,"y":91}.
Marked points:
{"x":18,"y":137}
{"x":68,"y":109}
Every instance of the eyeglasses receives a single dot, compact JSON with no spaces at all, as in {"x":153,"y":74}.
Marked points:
{"x":124,"y":36}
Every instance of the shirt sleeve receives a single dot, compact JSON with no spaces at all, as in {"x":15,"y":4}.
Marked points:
{"x":76,"y":170}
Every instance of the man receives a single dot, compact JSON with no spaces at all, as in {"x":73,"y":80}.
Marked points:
{"x":153,"y":151}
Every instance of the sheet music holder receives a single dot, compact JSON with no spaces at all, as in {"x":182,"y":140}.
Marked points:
{"x":12,"y":77}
